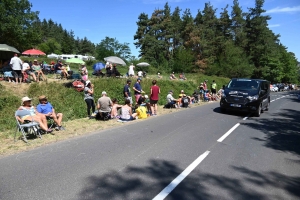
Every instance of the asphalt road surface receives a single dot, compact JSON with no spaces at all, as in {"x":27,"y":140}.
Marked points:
{"x":196,"y":153}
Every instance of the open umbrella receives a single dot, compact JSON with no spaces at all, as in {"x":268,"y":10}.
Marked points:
{"x":75,"y":60}
{"x":143,"y":64}
{"x":98,"y":66}
{"x":115,"y":60}
{"x":33,"y":52}
{"x":7,"y":51}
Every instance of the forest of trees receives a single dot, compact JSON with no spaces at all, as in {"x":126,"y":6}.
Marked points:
{"x":20,"y":27}
{"x":236,"y":44}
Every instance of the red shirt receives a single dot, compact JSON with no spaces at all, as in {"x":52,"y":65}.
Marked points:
{"x":155,"y":92}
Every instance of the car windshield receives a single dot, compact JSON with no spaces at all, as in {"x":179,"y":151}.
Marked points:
{"x":243,"y":84}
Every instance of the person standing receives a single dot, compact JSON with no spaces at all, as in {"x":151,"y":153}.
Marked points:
{"x":16,"y":65}
{"x":89,"y":98}
{"x":137,"y":90}
{"x":131,"y":70}
{"x":154,"y":92}
{"x":205,"y":85}
{"x":126,"y":91}
{"x":214,"y":89}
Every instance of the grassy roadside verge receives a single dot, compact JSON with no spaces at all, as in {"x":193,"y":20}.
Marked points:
{"x":71,"y":104}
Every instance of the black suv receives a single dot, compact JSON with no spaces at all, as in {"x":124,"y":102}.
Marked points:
{"x":250,"y":95}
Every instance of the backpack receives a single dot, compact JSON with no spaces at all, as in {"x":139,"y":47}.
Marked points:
{"x":185,"y":102}
{"x":78,"y":85}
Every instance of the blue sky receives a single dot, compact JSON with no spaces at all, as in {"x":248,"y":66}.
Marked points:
{"x":96,"y":19}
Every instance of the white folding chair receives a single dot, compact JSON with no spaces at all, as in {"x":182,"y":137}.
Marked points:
{"x":31,"y":126}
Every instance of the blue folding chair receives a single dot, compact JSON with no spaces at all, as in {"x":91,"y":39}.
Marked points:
{"x":32,"y":127}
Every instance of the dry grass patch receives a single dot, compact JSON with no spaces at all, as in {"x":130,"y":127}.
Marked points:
{"x":74,"y":128}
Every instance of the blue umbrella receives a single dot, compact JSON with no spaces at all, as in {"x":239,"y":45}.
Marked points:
{"x":98,"y":66}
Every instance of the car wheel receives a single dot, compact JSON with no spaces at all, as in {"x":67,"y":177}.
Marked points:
{"x":258,"y":112}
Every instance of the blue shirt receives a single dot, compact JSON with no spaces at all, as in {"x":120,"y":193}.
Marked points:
{"x":138,"y":87}
{"x":44,"y":108}
{"x":127,"y":89}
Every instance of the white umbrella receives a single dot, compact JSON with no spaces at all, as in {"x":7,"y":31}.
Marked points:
{"x":115,"y":60}
{"x":143,"y":64}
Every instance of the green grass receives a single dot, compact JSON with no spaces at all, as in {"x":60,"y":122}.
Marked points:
{"x":70,"y":102}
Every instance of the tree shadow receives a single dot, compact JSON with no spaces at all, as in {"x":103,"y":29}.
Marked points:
{"x":146,"y":182}
{"x":281,"y":132}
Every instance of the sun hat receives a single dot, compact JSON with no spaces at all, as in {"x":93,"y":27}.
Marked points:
{"x":104,"y":93}
{"x":87,"y":83}
{"x":146,"y":96}
{"x":25,"y":99}
{"x":42,"y":97}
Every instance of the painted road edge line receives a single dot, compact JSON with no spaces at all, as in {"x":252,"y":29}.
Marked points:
{"x":228,"y":133}
{"x":167,"y":190}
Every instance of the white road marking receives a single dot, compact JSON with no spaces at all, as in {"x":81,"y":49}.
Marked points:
{"x":228,"y":133}
{"x":167,"y":190}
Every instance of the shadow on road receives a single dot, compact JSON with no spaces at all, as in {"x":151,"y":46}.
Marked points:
{"x":281,"y":132}
{"x":146,"y":182}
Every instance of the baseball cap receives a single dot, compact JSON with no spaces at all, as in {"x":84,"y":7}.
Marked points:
{"x":180,"y":95}
{"x":139,"y":79}
{"x":128,"y":81}
{"x":104,"y":93}
{"x":171,"y":91}
{"x":35,"y":60}
{"x":182,"y":91}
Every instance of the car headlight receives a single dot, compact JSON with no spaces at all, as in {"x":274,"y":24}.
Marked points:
{"x":252,"y":98}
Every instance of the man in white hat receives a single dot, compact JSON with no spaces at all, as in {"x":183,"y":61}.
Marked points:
{"x":104,"y":104}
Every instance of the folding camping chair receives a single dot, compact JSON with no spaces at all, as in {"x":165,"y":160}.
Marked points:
{"x":31,"y":127}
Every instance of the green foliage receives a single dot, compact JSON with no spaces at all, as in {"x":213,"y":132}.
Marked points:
{"x":236,"y":44}
{"x":112,"y":47}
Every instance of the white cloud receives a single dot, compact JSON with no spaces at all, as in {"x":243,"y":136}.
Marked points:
{"x":284,"y":10}
{"x":273,"y":25}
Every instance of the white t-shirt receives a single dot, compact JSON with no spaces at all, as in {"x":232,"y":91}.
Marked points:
{"x":140,"y":73}
{"x":16,"y":63}
{"x":25,"y":66}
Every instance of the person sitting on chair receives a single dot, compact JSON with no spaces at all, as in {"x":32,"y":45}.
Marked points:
{"x":34,"y":115}
{"x":45,"y":108}
{"x":104,"y":105}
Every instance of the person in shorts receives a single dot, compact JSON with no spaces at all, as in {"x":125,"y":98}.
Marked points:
{"x":126,"y":91}
{"x":27,"y":69}
{"x":16,"y":65}
{"x":154,"y":97}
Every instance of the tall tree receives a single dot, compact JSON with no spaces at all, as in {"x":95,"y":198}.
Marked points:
{"x":260,"y":40}
{"x":16,"y":20}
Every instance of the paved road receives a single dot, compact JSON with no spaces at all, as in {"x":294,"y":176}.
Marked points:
{"x":176,"y":156}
